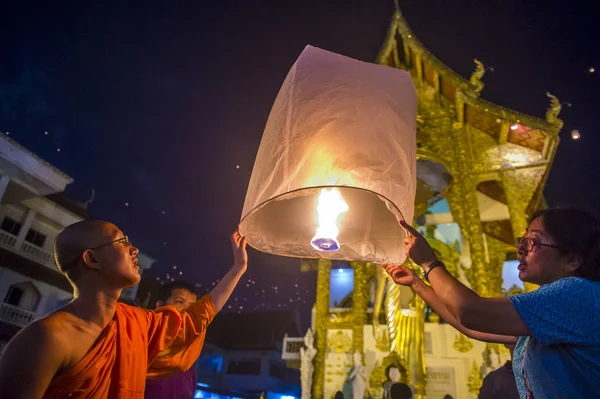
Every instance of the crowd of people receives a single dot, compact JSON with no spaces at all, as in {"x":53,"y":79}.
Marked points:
{"x":98,"y":347}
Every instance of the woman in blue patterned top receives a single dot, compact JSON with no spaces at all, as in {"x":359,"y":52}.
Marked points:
{"x":556,"y":328}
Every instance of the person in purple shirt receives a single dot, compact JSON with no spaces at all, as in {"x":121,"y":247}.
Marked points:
{"x":182,"y":384}
{"x":500,"y":383}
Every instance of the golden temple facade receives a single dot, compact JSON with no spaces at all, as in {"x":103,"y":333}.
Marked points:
{"x":489,"y":165}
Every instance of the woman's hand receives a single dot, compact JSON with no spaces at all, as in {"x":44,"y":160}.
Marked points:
{"x":402,"y":275}
{"x":416,"y":247}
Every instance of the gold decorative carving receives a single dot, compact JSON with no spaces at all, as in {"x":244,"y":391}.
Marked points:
{"x":434,"y":317}
{"x":376,"y":379}
{"x":382,"y":339}
{"x":339,"y":342}
{"x":462,"y":344}
{"x":474,"y":382}
{"x":341,"y":319}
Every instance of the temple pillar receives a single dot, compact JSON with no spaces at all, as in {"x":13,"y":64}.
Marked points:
{"x":360,"y":304}
{"x":464,"y":206}
{"x":497,"y":256}
{"x":321,"y":317}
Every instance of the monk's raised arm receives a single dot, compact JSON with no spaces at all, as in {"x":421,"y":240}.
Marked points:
{"x":169,"y":329}
{"x":30,"y":361}
{"x":180,"y":337}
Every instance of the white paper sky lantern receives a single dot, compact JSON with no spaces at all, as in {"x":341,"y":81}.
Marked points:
{"x":339,"y":129}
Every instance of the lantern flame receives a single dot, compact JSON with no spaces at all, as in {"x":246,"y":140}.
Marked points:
{"x":331,"y":205}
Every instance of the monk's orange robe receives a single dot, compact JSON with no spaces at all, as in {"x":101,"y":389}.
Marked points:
{"x":117,"y":364}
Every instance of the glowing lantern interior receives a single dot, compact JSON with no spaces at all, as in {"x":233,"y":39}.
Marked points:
{"x":331,"y":206}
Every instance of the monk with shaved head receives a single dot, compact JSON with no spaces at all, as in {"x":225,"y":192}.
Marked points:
{"x":95,"y":346}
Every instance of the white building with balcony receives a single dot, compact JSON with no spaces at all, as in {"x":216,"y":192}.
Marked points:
{"x":33,"y":209}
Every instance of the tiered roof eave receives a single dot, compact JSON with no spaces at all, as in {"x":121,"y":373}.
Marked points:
{"x":469,"y":91}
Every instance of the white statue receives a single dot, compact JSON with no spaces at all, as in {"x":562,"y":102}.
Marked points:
{"x":494,"y":360}
{"x":358,"y":377}
{"x":491,"y":360}
{"x":307,"y":355}
{"x":393,"y":376}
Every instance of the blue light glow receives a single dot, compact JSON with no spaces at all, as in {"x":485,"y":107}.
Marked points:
{"x":341,"y":284}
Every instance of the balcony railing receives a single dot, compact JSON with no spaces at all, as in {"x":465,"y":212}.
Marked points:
{"x":15,"y":315}
{"x":27,"y":250}
{"x":291,"y":348}
{"x":37,"y":253}
{"x":7,"y":239}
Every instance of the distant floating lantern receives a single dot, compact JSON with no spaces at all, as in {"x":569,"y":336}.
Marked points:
{"x":575,"y":135}
{"x":514,"y":126}
{"x":592,"y":69}
{"x":336,"y":168}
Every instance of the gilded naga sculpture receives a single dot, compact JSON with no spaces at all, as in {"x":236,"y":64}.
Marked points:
{"x":553,"y":110}
{"x":476,"y":76}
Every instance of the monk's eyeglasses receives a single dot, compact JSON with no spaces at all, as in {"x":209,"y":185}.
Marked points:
{"x":125,"y":240}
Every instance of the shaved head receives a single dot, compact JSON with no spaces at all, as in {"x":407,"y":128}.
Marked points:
{"x":73,"y":240}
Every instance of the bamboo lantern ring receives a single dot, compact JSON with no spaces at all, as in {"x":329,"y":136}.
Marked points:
{"x":336,"y":166}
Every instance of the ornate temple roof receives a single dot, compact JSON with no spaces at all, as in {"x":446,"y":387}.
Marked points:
{"x":402,"y":49}
{"x":501,"y":141}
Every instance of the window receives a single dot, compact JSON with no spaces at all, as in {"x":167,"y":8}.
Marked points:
{"x":13,"y":296}
{"x":210,"y":363}
{"x":510,"y":277}
{"x":246,"y":367}
{"x":278,"y":371}
{"x":341,"y":286}
{"x":11,"y":226}
{"x":35,"y":237}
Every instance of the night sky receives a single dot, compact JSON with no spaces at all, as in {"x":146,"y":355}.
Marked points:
{"x":156,"y":104}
